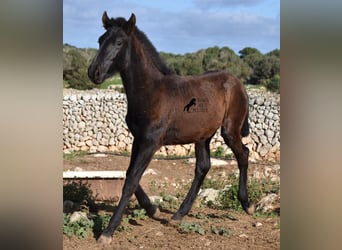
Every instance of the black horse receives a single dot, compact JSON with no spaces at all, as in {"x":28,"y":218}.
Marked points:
{"x":190,"y":104}
{"x":155,"y":116}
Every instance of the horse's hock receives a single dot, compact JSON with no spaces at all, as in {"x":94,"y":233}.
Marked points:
{"x":94,"y":121}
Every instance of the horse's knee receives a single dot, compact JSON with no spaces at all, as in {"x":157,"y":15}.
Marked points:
{"x":245,"y":149}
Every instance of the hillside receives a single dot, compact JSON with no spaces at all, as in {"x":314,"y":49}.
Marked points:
{"x":251,"y":66}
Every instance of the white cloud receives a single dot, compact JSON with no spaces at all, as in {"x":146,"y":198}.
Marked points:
{"x":177,"y":32}
{"x":205,"y":4}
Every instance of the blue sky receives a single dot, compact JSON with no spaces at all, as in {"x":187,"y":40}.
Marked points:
{"x":180,"y":26}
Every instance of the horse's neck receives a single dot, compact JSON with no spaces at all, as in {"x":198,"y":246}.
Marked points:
{"x":141,"y":75}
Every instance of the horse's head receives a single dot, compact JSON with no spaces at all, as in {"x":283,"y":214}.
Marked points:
{"x":113,"y":53}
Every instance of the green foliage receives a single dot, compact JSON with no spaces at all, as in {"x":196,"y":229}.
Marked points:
{"x":251,"y":66}
{"x":272,"y":84}
{"x":275,"y":53}
{"x":139,"y":214}
{"x":248,"y":51}
{"x":212,"y":183}
{"x":193,"y":227}
{"x":221,"y":231}
{"x":265,"y":68}
{"x":169,"y":202}
{"x":219,"y":152}
{"x":228,"y":197}
{"x":115,"y":80}
{"x":73,"y":154}
{"x":100,"y":223}
{"x":209,"y":59}
{"x":256,"y":190}
{"x":77,"y":192}
{"x":153,"y":186}
{"x":75,"y":68}
{"x":81,"y":228}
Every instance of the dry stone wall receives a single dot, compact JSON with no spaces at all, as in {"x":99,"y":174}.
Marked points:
{"x":94,"y":121}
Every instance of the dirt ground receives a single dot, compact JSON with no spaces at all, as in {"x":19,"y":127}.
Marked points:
{"x":173,"y":176}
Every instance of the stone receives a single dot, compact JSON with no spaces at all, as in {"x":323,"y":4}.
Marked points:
{"x":257,"y":224}
{"x":88,"y":113}
{"x":259,"y":100}
{"x":218,"y":162}
{"x":263,"y":139}
{"x":159,"y":233}
{"x":68,"y":206}
{"x":269,"y":133}
{"x":268,"y":203}
{"x":77,"y":216}
{"x":209,"y":195}
{"x":150,"y":171}
{"x":156,"y":199}
{"x":263,"y":152}
{"x":101,"y":148}
{"x":111,"y":141}
{"x":81,"y":125}
{"x":73,"y":98}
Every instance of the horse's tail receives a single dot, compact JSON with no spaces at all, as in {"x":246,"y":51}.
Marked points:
{"x":245,"y":126}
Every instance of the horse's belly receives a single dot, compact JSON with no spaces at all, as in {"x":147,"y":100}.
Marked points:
{"x":189,"y":133}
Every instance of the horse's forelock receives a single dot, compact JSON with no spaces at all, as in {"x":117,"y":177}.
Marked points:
{"x":118,"y":22}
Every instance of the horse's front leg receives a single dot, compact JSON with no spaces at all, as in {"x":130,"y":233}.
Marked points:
{"x":142,"y":153}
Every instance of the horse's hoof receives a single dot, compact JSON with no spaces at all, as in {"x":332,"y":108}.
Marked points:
{"x":176,"y":217}
{"x":104,"y":240}
{"x":156,"y":213}
{"x":250,"y":210}
{"x":153,"y":212}
{"x":174,"y":223}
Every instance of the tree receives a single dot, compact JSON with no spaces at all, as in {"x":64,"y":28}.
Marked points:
{"x":75,"y":67}
{"x":275,"y":53}
{"x":248,"y":51}
{"x":192,"y":64}
{"x":265,"y":68}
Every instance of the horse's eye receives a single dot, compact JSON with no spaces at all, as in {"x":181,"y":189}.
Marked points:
{"x":119,"y":43}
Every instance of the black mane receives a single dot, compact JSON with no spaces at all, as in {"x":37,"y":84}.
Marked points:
{"x":149,"y":47}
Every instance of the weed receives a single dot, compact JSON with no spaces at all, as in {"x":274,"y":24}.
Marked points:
{"x":139,"y":214}
{"x":221,"y":231}
{"x":73,"y":154}
{"x":169,"y":202}
{"x":81,"y":228}
{"x":153,"y":186}
{"x":212,"y":183}
{"x":200,"y":216}
{"x":77,"y":192}
{"x":193,"y":227}
{"x":219,"y":152}
{"x":256,"y":190}
{"x":69,"y":156}
{"x":100,"y":223}
{"x":115,"y":80}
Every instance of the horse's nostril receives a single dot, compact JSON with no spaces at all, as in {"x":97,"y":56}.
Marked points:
{"x":97,"y":73}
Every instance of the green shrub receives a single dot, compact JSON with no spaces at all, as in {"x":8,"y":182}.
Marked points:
{"x":256,"y":190}
{"x":193,"y":227}
{"x":81,"y":228}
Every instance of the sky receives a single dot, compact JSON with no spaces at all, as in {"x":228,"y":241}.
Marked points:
{"x":180,"y":26}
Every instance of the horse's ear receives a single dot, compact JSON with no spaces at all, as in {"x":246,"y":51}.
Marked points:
{"x":105,"y":20}
{"x":130,"y":24}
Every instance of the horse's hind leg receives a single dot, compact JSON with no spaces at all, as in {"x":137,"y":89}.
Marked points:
{"x":232,"y":138}
{"x":144,"y":201}
{"x":202,"y":167}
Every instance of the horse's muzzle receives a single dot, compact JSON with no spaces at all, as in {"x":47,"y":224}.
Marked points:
{"x":95,"y":74}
